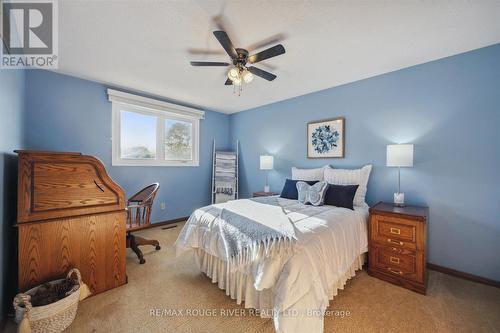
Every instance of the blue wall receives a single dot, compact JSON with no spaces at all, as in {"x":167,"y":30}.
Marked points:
{"x":69,"y":114}
{"x":449,"y":109}
{"x":11,"y":137}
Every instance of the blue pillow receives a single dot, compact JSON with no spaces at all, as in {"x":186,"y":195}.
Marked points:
{"x":313,"y":194}
{"x":341,"y":195}
{"x":290,"y":189}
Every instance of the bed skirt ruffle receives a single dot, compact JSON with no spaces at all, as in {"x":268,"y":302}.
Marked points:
{"x":240,"y":286}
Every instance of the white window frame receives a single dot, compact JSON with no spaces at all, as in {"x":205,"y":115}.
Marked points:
{"x":122,"y":101}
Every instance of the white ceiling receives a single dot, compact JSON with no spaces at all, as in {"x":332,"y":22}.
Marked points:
{"x":147,"y":45}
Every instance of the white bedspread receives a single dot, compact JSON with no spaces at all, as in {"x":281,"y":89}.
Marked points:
{"x":296,"y":285}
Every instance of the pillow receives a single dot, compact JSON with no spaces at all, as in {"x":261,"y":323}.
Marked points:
{"x":350,"y":177}
{"x":290,"y":189}
{"x":309,"y":174}
{"x":313,"y":194}
{"x":340,"y":195}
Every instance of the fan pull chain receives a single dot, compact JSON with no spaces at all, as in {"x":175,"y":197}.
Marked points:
{"x":237,"y":89}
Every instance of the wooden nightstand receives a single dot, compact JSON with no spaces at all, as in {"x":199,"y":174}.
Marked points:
{"x":397,"y":245}
{"x":263,"y":194}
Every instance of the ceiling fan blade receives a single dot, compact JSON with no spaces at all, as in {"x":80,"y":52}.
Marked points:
{"x":208,"y":63}
{"x":228,"y":82}
{"x":224,"y":40}
{"x":275,"y":39}
{"x":266,"y":54}
{"x":263,"y":74}
{"x":204,"y":52}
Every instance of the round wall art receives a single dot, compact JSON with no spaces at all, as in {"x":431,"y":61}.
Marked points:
{"x":325,"y":138}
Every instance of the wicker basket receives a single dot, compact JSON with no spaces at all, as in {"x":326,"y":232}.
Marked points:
{"x":51,"y":318}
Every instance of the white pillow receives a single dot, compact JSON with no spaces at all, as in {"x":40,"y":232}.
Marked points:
{"x":314,"y":194}
{"x":350,"y":177}
{"x":309,"y":174}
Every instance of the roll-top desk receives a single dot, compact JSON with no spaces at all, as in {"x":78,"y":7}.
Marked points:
{"x":70,"y":213}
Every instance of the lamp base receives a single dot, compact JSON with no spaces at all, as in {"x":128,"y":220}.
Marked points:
{"x":399,"y":199}
{"x":266,"y":189}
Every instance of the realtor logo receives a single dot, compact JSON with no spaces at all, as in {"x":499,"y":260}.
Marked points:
{"x":29,"y":34}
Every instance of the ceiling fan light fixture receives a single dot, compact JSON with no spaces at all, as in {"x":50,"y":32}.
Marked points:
{"x":247,"y":76}
{"x":234,"y":74}
{"x":237,"y":81}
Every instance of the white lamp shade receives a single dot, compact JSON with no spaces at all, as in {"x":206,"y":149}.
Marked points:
{"x":400,"y":155}
{"x":266,"y":162}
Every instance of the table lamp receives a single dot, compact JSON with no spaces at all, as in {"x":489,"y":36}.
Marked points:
{"x":399,"y":156}
{"x":266,"y":163}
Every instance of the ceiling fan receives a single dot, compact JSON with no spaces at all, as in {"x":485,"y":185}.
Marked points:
{"x":240,"y":59}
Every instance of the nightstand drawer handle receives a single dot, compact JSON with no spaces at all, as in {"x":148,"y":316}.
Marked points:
{"x":394,"y":241}
{"x":395,"y":231}
{"x":394,"y":271}
{"x":394,"y":260}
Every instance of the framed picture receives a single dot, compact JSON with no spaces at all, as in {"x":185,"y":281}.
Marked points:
{"x":325,"y":138}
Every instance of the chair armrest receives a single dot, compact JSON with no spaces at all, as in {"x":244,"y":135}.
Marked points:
{"x":134,"y":206}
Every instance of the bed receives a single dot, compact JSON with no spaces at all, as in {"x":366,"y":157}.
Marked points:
{"x":282,"y":258}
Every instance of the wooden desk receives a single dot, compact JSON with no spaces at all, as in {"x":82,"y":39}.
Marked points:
{"x":70,"y":214}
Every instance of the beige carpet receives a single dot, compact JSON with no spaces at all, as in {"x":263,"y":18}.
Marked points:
{"x":170,"y":283}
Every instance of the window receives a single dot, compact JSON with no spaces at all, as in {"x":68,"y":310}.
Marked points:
{"x":178,"y":140}
{"x":150,"y":132}
{"x":137,"y":136}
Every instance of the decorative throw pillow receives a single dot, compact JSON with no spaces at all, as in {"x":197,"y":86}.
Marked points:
{"x":351,"y":177}
{"x":313,"y":194}
{"x":290,"y":189}
{"x":341,"y":195}
{"x":309,"y":174}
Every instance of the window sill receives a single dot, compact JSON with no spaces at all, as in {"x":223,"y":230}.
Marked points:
{"x":155,"y":164}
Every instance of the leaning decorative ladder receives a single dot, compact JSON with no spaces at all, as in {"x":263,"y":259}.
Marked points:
{"x":225,"y":175}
